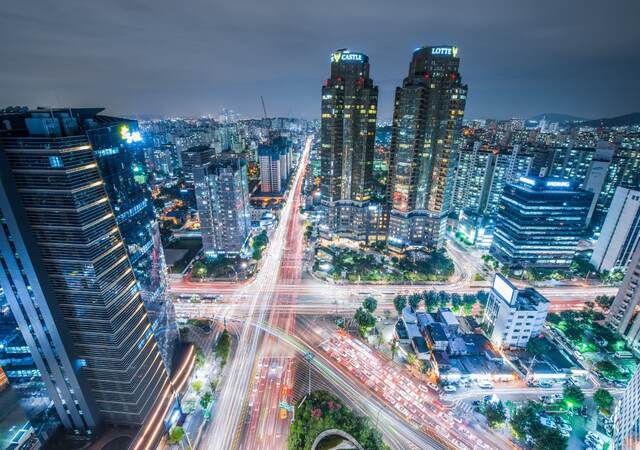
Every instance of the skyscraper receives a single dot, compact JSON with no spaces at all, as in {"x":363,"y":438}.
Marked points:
{"x":427,"y":123}
{"x":626,"y":421}
{"x":620,"y":233}
{"x":540,"y":222}
{"x":222,"y":194}
{"x":67,"y":276}
{"x":347,"y":134}
{"x":623,"y":315}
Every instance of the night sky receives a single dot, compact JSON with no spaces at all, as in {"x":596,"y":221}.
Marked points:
{"x":169,"y":57}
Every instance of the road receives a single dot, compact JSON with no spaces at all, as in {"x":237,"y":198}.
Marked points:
{"x":224,"y":431}
{"x":261,"y":371}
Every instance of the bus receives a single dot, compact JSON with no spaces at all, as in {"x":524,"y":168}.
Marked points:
{"x":623,"y":354}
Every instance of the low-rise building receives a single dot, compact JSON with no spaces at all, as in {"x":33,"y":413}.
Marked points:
{"x":512,"y":316}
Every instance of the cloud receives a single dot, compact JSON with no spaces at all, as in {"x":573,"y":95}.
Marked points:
{"x":195,"y":57}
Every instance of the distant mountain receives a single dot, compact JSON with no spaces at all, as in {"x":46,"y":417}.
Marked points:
{"x":618,"y":121}
{"x":555,"y":117}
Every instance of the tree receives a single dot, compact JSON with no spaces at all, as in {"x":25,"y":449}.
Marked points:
{"x":495,"y":413}
{"x":411,"y":358}
{"x":483,"y":297}
{"x":608,"y":369}
{"x":526,"y":419}
{"x":200,"y":358}
{"x":468,"y":300}
{"x":176,"y":435}
{"x":443,"y":299}
{"x":205,"y":400}
{"x":223,"y":346}
{"x":399,"y":302}
{"x":604,"y":301}
{"x":603,"y":400}
{"x":394,"y":349}
{"x":573,"y":396}
{"x":549,"y":439}
{"x":414,"y":301}
{"x":365,"y":320}
{"x":430,"y":300}
{"x":197,"y":386}
{"x":456,"y":301}
{"x":370,"y":304}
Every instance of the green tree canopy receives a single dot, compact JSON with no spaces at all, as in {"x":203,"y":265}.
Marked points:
{"x":370,"y":304}
{"x":603,"y":400}
{"x":495,"y":413}
{"x":573,"y":396}
{"x":399,"y":302}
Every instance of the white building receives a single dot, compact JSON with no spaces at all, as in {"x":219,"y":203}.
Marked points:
{"x":512,"y":315}
{"x":620,"y":232}
{"x":623,"y":315}
{"x":626,"y":434}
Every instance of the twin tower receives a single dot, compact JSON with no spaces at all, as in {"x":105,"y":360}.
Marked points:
{"x":427,"y":123}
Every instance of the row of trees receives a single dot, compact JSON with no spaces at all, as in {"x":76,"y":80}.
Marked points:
{"x":526,"y":425}
{"x":433,"y":300}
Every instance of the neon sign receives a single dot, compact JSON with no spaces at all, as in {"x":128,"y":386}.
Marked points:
{"x":445,"y":51}
{"x":130,"y":136}
{"x":558,"y":184}
{"x":346,"y":56}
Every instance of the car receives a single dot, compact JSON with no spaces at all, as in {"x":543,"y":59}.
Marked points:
{"x":449,"y":388}
{"x":476,"y":403}
{"x":545,"y":385}
{"x":620,"y":384}
{"x":485,"y":385}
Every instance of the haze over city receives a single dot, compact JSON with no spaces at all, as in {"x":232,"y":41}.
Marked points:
{"x":168,"y":59}
{"x":330,"y":225}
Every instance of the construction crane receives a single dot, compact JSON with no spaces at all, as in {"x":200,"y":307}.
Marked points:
{"x":266,"y":121}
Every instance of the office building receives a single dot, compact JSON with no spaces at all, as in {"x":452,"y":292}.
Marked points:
{"x":626,"y":420}
{"x":427,"y":125}
{"x":68,"y":279}
{"x":276,"y":162}
{"x":196,"y":156}
{"x":624,"y":314}
{"x":347,"y":137}
{"x":513,"y":316}
{"x":620,"y":232}
{"x":539,"y":223}
{"x":222,"y":195}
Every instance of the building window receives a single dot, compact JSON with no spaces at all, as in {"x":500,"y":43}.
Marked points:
{"x":55,"y":162}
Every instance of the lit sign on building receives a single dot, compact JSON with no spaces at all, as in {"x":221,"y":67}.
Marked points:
{"x":528,"y":181}
{"x":558,"y":184}
{"x":346,"y":56}
{"x":130,"y":136}
{"x":503,"y":288}
{"x":445,"y":51}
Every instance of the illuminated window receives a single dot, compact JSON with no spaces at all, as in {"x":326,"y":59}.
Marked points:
{"x":55,"y":162}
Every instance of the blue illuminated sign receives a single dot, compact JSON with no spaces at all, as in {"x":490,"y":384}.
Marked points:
{"x":558,"y":184}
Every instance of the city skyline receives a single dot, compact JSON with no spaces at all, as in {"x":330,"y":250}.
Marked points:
{"x":171,"y":61}
{"x":323,"y":225}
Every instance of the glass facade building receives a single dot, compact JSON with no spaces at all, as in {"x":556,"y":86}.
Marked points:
{"x":66,"y":271}
{"x":427,"y":126}
{"x":540,"y":222}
